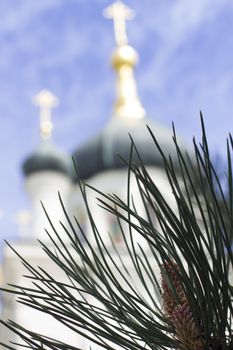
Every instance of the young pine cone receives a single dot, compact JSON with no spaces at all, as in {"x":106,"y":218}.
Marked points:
{"x":186,"y":328}
{"x":177,"y":309}
{"x":175,"y":295}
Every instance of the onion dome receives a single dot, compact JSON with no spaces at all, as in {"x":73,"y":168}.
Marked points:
{"x":47,"y":157}
{"x":129,"y":117}
{"x":105,"y":150}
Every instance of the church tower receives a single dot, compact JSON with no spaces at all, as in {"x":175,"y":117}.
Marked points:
{"x":98,"y":160}
{"x":47,"y":171}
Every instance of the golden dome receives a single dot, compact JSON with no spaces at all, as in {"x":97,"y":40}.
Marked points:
{"x":124,"y":58}
{"x":124,"y":55}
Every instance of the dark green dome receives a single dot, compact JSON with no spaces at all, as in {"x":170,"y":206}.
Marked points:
{"x":101,"y":152}
{"x":48,"y":158}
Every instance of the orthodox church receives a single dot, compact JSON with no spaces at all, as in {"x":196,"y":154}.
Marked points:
{"x":49,"y":170}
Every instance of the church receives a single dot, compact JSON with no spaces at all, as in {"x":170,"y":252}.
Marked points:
{"x":49,"y":170}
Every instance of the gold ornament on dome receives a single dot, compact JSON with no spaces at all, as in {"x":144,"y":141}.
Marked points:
{"x":124,"y":58}
{"x":119,"y":12}
{"x":46,"y":101}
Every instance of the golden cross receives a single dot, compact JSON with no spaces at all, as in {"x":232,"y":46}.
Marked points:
{"x":119,"y":12}
{"x":46,"y":101}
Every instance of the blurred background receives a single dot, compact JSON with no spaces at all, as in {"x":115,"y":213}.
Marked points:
{"x":186,"y":65}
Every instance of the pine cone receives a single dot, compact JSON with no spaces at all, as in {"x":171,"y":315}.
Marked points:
{"x":177,"y":309}
{"x":171,"y":297}
{"x":186,"y":328}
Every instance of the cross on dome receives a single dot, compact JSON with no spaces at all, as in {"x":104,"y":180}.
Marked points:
{"x":46,"y":101}
{"x":119,"y":12}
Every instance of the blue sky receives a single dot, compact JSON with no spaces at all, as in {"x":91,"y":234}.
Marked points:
{"x":186,"y":65}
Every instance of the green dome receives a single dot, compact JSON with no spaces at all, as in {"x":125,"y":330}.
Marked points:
{"x":48,"y":158}
{"x":101,"y":152}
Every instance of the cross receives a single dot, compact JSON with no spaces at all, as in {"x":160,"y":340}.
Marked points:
{"x":119,"y":12}
{"x":46,"y":101}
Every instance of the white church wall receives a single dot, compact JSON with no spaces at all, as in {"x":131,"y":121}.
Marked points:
{"x":43,"y":187}
{"x":115,"y":182}
{"x":23,"y":315}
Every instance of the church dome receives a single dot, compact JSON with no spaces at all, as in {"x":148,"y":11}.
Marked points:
{"x":48,"y":158}
{"x":129,"y":117}
{"x":102,"y":152}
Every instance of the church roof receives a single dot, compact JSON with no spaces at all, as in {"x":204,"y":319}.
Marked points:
{"x":48,"y":158}
{"x":102,"y":151}
{"x":129,"y":117}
